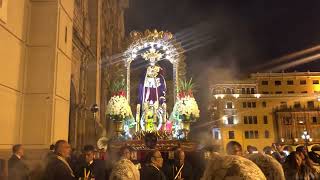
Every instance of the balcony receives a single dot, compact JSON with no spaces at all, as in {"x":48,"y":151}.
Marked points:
{"x":296,"y":109}
{"x":230,"y":111}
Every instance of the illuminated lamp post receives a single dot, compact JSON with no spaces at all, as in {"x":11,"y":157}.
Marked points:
{"x":306,"y":137}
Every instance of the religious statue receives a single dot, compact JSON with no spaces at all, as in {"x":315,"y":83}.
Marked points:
{"x":151,"y":108}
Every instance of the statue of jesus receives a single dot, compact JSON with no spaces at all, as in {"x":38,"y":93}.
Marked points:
{"x":152,"y":100}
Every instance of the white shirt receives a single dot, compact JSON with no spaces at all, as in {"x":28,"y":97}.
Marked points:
{"x":19,"y":157}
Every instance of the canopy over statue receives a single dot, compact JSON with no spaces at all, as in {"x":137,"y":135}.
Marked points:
{"x":151,"y":108}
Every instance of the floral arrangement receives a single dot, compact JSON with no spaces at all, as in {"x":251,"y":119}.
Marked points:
{"x":186,"y":107}
{"x":186,"y":88}
{"x":118,"y":107}
{"x":118,"y":88}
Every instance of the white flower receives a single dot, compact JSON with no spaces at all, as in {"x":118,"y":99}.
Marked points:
{"x":187,"y":106}
{"x":118,"y":105}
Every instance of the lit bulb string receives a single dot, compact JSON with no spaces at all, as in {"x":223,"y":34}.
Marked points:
{"x":185,"y":38}
{"x":142,"y":64}
{"x":287,"y":57}
{"x":194,"y":44}
{"x":249,"y":110}
{"x":276,"y":61}
{"x":192,"y":39}
{"x":118,"y":59}
{"x":273,"y":62}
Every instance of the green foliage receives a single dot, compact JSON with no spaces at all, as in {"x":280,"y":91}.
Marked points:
{"x":186,"y":86}
{"x":118,"y":86}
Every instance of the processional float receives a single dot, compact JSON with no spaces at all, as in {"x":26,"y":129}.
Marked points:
{"x":152,"y":115}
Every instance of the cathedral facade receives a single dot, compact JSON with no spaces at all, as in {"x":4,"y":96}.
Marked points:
{"x":53,"y":58}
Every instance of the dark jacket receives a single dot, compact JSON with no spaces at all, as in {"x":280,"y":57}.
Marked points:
{"x":58,"y":170}
{"x":149,"y":172}
{"x":172,"y":169}
{"x":97,"y":170}
{"x":18,"y":170}
{"x":314,"y":157}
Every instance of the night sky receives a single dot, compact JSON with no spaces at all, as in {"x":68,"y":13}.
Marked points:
{"x":247,"y":33}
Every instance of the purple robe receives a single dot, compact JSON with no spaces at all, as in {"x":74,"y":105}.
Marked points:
{"x":151,"y":92}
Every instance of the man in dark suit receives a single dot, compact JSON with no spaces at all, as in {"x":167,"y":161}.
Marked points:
{"x":91,"y":168}
{"x":153,"y":169}
{"x":58,"y":168}
{"x":18,"y":170}
{"x":180,"y":168}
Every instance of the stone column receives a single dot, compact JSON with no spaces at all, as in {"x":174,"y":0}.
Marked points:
{"x":47,"y":79}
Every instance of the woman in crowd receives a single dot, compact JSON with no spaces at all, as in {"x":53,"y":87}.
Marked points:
{"x":296,"y":168}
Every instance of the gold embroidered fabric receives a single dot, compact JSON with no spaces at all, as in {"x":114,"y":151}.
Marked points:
{"x":67,"y":164}
{"x":124,"y":169}
{"x":270,"y":167}
{"x":225,"y":167}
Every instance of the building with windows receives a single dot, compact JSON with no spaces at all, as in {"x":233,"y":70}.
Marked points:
{"x":52,"y":54}
{"x":267,"y":108}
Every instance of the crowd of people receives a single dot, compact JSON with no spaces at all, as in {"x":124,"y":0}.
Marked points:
{"x":281,"y":162}
{"x":274,"y":163}
{"x":62,"y":164}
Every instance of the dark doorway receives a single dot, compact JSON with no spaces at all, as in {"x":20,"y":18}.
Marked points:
{"x":72,"y":137}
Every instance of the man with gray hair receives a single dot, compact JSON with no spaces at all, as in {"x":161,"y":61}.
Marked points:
{"x":58,"y":168}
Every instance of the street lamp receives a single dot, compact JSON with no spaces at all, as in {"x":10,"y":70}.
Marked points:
{"x":306,"y":137}
{"x":94,"y":109}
